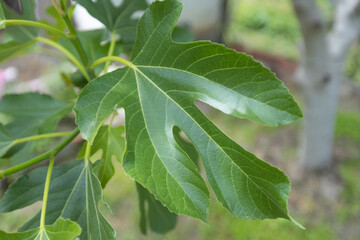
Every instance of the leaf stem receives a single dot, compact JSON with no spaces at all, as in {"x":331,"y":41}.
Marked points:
{"x":53,"y":152}
{"x":46,"y":192}
{"x":87,"y":152}
{"x":111,"y":50}
{"x":114,"y":59}
{"x":40,"y":136}
{"x":36,"y":24}
{"x":67,"y":53}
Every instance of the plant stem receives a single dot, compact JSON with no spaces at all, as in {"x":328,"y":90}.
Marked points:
{"x":75,"y":40}
{"x":46,"y":192}
{"x":111,"y":50}
{"x":114,"y":59}
{"x":53,"y":152}
{"x":87,"y":152}
{"x":67,"y":53}
{"x":58,"y":8}
{"x":36,"y":24}
{"x":40,"y":136}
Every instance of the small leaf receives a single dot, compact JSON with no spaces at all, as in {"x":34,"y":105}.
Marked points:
{"x":110,"y":142}
{"x":117,"y":19}
{"x":61,"y":230}
{"x":158,"y":93}
{"x":159,"y":218}
{"x":6,"y":140}
{"x":75,"y":193}
{"x":114,"y":17}
{"x":2,"y":18}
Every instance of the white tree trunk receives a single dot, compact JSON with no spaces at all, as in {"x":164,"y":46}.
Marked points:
{"x":321,"y":73}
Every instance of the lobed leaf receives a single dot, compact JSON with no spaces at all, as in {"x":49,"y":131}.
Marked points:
{"x":61,"y":230}
{"x":75,"y":193}
{"x":158,"y":91}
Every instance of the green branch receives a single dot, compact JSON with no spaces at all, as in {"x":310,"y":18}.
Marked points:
{"x":53,"y":152}
{"x":75,"y":40}
{"x":67,"y":53}
{"x":40,"y":136}
{"x":113,"y":59}
{"x":36,"y":24}
{"x":46,"y":193}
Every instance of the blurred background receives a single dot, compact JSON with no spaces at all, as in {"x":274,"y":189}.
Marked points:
{"x":314,"y":48}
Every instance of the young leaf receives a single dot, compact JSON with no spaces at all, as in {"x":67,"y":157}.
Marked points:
{"x":117,"y":19}
{"x":114,"y":17}
{"x":159,"y":218}
{"x":61,"y":230}
{"x":75,"y":193}
{"x":158,"y":91}
{"x":111,"y":143}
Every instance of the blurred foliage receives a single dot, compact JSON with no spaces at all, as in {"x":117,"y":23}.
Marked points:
{"x":350,"y":171}
{"x":347,"y":125}
{"x":266,"y":25}
{"x":352,"y":68}
{"x":269,"y":26}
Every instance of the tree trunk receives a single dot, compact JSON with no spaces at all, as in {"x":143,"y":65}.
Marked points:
{"x":321,"y":73}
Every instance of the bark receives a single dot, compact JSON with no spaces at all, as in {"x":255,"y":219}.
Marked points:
{"x":224,"y":20}
{"x":321,"y":73}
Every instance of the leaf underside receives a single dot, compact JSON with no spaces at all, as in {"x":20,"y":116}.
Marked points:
{"x":158,"y":93}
